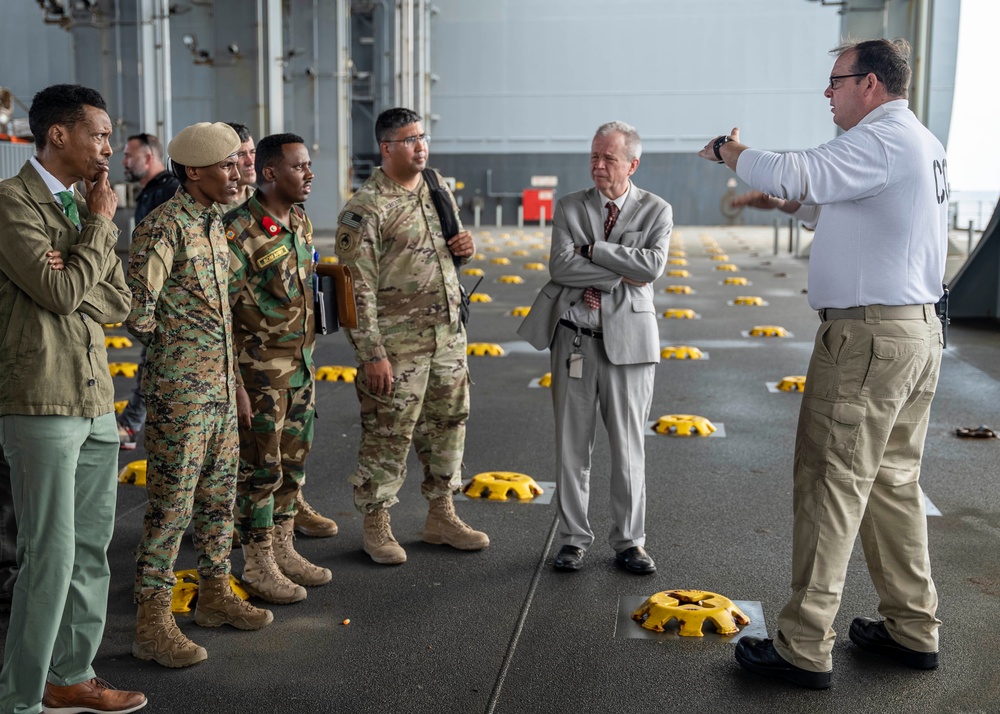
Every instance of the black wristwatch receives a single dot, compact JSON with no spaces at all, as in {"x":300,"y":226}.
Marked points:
{"x":588,"y":252}
{"x":718,"y":144}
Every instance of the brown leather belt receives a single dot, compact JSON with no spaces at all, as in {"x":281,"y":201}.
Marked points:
{"x":596,"y":334}
{"x":877,"y":312}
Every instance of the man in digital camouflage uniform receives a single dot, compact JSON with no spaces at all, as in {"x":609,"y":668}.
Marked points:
{"x":179,"y":275}
{"x":414,"y":386}
{"x":271,"y":295}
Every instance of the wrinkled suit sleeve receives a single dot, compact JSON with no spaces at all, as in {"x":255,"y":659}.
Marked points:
{"x":567,"y":267}
{"x":646,"y":263}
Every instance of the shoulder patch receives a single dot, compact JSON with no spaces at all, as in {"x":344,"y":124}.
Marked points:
{"x":350,"y":219}
{"x":346,"y":242}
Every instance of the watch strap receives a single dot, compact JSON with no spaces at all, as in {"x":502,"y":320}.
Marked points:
{"x":718,"y":145}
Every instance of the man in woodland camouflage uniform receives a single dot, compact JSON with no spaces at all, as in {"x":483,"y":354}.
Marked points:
{"x":308,"y":520}
{"x":179,"y":275}
{"x":270,"y":291}
{"x":409,"y":340}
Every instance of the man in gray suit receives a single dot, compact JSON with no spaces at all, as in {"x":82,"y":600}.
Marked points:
{"x":596,"y":316}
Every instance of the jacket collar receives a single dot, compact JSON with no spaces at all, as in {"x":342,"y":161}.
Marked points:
{"x":41,"y":194}
{"x":595,"y":208}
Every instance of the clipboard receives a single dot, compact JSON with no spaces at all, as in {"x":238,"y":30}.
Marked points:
{"x":335,"y":302}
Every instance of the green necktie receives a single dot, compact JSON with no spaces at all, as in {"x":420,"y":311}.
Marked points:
{"x":69,"y":206}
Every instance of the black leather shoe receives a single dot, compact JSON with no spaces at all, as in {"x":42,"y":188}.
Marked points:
{"x":569,"y":557}
{"x":760,"y":657}
{"x":636,"y":560}
{"x":871,"y":636}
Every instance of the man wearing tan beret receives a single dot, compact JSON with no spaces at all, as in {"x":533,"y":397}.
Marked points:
{"x":178,"y":273}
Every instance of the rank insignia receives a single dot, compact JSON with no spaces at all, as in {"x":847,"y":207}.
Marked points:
{"x":270,"y":226}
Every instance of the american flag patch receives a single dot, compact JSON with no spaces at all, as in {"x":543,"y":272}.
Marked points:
{"x":350,"y":219}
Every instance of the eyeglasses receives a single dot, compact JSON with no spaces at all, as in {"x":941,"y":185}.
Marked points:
{"x":410,"y":141}
{"x":835,"y":77}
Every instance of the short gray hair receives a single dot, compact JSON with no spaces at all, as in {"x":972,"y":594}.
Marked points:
{"x":633,"y":144}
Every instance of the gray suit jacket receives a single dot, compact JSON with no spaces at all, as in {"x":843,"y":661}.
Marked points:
{"x":636,"y":249}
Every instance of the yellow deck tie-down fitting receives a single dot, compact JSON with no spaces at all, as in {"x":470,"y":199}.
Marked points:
{"x":684,"y":425}
{"x":186,"y":589}
{"x":336,"y":373}
{"x":795,"y":383}
{"x":123,"y":369}
{"x":500,"y":483}
{"x":134,"y":472}
{"x":690,"y":608}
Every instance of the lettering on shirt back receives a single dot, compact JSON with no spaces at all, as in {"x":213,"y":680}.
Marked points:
{"x":941,"y":180}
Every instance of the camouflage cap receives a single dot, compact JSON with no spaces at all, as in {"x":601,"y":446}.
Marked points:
{"x":204,"y":144}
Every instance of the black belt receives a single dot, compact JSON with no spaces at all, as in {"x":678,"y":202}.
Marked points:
{"x":596,"y":334}
{"x":877,"y":312}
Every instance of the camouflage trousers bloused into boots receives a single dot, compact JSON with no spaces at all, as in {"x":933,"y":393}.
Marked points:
{"x":380,"y":544}
{"x":310,"y":522}
{"x":444,"y":527}
{"x":219,"y":605}
{"x":158,"y":638}
{"x":261,"y":575}
{"x":291,"y":563}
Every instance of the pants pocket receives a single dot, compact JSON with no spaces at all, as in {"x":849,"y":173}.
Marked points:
{"x":893,"y":366}
{"x":828,"y":436}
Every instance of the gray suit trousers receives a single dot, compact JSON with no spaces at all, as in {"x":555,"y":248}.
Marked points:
{"x":624,"y":395}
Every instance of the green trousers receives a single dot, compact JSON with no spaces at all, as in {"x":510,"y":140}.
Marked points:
{"x":62,"y":472}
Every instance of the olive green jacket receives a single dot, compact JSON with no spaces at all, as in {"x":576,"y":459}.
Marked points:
{"x":53,"y":359}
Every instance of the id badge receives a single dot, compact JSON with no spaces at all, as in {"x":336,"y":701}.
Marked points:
{"x":575,"y":365}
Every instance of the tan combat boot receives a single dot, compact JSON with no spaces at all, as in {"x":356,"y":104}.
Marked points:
{"x":158,"y":638}
{"x":219,"y":605}
{"x":261,"y":575}
{"x":379,"y":541}
{"x":308,"y":521}
{"x":291,"y":564}
{"x":444,"y":527}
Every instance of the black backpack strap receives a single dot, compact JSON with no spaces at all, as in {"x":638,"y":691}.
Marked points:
{"x":442,"y":203}
{"x":430,"y":176}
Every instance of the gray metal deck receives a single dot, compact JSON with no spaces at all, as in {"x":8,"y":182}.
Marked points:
{"x":500,"y":631}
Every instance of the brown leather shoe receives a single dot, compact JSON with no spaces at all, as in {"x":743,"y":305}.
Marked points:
{"x":94,"y":695}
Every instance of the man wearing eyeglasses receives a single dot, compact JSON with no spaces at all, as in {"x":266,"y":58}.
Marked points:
{"x":410,"y":342}
{"x":877,"y":197}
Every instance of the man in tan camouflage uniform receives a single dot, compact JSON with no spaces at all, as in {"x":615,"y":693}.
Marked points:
{"x":409,"y":340}
{"x":179,"y":275}
{"x":270,"y":291}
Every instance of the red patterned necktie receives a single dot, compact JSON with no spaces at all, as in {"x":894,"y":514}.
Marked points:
{"x":592,"y":296}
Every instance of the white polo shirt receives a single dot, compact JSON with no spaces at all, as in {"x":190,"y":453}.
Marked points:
{"x":877,"y":196}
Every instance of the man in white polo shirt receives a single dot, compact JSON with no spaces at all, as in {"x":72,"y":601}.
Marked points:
{"x":877,"y":196}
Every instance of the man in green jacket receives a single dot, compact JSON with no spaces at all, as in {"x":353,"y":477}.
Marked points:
{"x":57,"y":421}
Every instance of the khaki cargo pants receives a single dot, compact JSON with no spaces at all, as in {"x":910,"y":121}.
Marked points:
{"x":858,"y":448}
